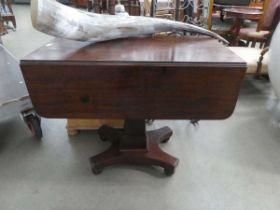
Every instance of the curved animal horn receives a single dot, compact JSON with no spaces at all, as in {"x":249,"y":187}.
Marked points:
{"x":53,"y":18}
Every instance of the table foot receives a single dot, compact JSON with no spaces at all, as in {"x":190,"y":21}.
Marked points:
{"x":149,"y":155}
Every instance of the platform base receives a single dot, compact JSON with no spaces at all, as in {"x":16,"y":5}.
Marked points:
{"x":133,"y":145}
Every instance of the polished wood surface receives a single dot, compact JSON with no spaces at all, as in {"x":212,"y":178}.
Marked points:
{"x":152,"y":78}
{"x":244,"y":13}
{"x":221,"y":6}
{"x":135,"y":146}
{"x":155,"y":51}
{"x":134,"y":79}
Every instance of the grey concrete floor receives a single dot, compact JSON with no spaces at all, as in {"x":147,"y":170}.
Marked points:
{"x":232,"y":164}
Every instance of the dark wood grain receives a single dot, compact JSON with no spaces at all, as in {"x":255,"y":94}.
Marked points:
{"x":126,"y":149}
{"x":134,"y":79}
{"x":174,"y":51}
{"x":158,"y":78}
{"x":244,"y":13}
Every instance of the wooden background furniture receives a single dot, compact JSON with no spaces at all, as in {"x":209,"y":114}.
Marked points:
{"x":241,"y":14}
{"x":222,"y":24}
{"x":233,"y":2}
{"x":2,"y":26}
{"x":134,"y":79}
{"x":216,"y":21}
{"x":81,"y":3}
{"x":266,"y":26}
{"x":256,"y":59}
{"x":7,"y":12}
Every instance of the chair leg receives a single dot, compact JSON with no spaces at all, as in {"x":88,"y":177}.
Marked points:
{"x":259,"y":66}
{"x":14,"y":22}
{"x":2,"y":28}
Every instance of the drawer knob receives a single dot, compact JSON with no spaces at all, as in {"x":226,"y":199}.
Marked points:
{"x":84,"y":99}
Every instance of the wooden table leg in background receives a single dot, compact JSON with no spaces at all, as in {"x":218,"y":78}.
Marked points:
{"x":240,"y":14}
{"x":134,"y":145}
{"x":235,"y":31}
{"x":3,"y":30}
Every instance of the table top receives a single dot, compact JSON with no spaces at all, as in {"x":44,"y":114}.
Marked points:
{"x":227,"y":6}
{"x":244,"y":12}
{"x":12,"y":84}
{"x":137,"y":78}
{"x":178,"y":51}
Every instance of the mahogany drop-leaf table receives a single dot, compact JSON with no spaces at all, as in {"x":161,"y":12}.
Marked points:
{"x":134,"y":79}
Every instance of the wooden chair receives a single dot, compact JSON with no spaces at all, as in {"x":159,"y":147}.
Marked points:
{"x":221,"y":24}
{"x":256,"y":59}
{"x":7,"y":12}
{"x":267,"y":25}
{"x":216,"y":21}
{"x":2,"y":27}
